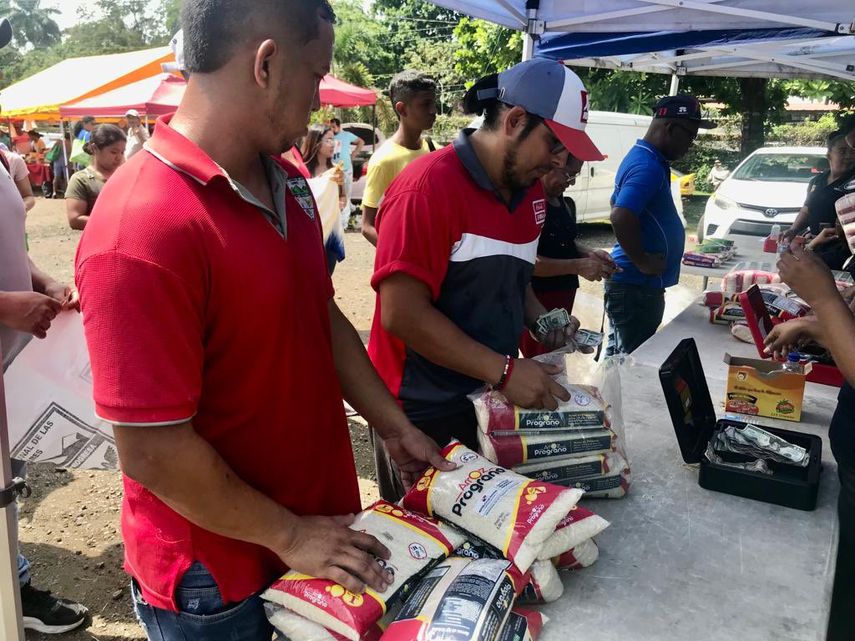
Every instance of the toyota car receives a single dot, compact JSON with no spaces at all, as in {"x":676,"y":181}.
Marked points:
{"x":767,"y":188}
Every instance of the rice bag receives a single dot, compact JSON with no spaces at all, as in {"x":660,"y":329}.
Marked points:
{"x":562,"y":469}
{"x":611,"y":485}
{"x":523,"y":625}
{"x":503,"y":508}
{"x":297,"y":628}
{"x":583,"y":555}
{"x":585,"y":409}
{"x":509,"y":449}
{"x":578,"y":526}
{"x":415,"y":543}
{"x":458,"y":600}
{"x":544,"y":585}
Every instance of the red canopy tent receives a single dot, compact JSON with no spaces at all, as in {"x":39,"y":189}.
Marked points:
{"x":338,"y":93}
{"x":162,"y":94}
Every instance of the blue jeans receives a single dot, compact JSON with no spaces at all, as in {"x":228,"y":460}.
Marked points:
{"x":635,"y":313}
{"x":203,"y":616}
{"x":19,"y":469}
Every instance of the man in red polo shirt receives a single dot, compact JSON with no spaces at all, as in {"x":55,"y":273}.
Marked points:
{"x":457,"y":250}
{"x":217,"y":351}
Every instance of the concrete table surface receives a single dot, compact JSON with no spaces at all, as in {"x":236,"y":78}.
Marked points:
{"x":748,"y":248}
{"x":683,"y":563}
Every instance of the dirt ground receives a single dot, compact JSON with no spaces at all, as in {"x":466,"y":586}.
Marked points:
{"x":69,"y":527}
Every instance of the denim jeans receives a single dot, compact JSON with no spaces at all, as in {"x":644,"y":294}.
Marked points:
{"x":635,"y":313}
{"x":202,"y":616}
{"x":842,"y":620}
{"x":19,"y":469}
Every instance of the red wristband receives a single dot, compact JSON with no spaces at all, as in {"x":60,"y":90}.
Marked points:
{"x":506,"y":374}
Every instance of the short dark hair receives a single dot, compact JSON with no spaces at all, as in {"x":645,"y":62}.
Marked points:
{"x":834,"y":137}
{"x":475,"y":103}
{"x":405,"y":85}
{"x":104,"y":136}
{"x":213,"y":28}
{"x":335,"y":121}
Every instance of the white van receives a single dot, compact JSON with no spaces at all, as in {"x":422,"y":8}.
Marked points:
{"x":614,"y":134}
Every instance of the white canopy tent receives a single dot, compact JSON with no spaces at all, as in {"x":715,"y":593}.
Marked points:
{"x":538,"y":17}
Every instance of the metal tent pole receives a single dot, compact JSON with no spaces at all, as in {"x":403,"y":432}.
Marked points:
{"x":534,"y":28}
{"x":11,"y":623}
{"x":64,"y":150}
{"x":675,"y":85}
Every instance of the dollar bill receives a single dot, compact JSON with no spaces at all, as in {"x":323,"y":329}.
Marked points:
{"x":556,"y":319}
{"x":757,"y":443}
{"x":587,"y":338}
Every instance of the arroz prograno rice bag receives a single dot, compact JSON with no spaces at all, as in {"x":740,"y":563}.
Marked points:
{"x":297,"y":628}
{"x":523,"y":625}
{"x":458,"y":600}
{"x":585,"y":409}
{"x":511,"y":449}
{"x":503,"y":508}
{"x":544,"y":585}
{"x":583,"y":555}
{"x":579,"y":525}
{"x":415,"y":543}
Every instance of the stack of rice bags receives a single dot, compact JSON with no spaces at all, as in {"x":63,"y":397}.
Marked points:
{"x":464,"y":545}
{"x":574,"y":445}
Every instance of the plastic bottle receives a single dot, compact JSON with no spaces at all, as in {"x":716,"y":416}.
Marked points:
{"x":793,"y":364}
{"x":770,"y":245}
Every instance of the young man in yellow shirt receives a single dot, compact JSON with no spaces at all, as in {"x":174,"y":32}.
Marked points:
{"x":413,"y":96}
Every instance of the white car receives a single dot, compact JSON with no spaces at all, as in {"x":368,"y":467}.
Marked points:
{"x":767,"y":188}
{"x":360,"y":164}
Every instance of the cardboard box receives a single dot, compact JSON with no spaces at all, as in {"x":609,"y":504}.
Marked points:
{"x":763,"y":388}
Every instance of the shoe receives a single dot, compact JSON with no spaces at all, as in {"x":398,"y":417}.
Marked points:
{"x":48,"y":614}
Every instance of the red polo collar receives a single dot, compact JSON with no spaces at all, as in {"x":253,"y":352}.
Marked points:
{"x":180,"y":153}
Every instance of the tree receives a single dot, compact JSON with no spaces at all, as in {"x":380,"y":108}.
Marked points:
{"x":485,"y":48}
{"x":33,"y":25}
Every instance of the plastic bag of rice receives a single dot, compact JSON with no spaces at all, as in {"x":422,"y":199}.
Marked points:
{"x":544,"y":585}
{"x":578,"y":526}
{"x":297,"y":628}
{"x":510,"y":449}
{"x":557,"y":469}
{"x":503,"y":508}
{"x":458,"y":600}
{"x":415,"y":543}
{"x":523,"y":625}
{"x":583,"y":555}
{"x":610,"y":485}
{"x":585,"y":409}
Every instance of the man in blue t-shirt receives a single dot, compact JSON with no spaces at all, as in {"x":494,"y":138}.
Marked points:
{"x":649,"y":232}
{"x":347,"y":147}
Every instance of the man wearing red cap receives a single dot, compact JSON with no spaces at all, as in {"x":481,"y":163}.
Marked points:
{"x":454,"y":262}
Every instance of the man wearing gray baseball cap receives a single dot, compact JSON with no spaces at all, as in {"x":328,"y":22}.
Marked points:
{"x":29,"y":301}
{"x":458,"y":232}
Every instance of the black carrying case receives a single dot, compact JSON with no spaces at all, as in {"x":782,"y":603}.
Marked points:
{"x":693,"y":415}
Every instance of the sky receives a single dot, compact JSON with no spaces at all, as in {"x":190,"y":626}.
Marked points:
{"x":68,"y":11}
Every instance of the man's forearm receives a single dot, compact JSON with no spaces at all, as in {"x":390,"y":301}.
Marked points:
{"x":360,"y":384}
{"x":534,"y":309}
{"x":627,"y":230}
{"x":41,"y":280}
{"x":369,"y":231}
{"x":801,"y":220}
{"x":186,"y":473}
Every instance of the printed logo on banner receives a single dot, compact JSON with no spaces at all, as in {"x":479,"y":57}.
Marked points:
{"x":57,"y":436}
{"x":539,"y":207}
{"x":584,"y":117}
{"x":299,"y":188}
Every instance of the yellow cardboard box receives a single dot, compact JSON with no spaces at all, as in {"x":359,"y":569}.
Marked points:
{"x":762,"y":388}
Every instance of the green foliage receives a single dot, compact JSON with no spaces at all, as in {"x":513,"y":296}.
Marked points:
{"x":699,"y":160}
{"x":807,"y":133}
{"x":623,"y":91}
{"x":32,"y":24}
{"x":484,"y":48}
{"x":836,"y":91}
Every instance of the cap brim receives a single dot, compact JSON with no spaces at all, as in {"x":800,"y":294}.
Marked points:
{"x":575,"y":141}
{"x":706,"y":124}
{"x":5,"y":32}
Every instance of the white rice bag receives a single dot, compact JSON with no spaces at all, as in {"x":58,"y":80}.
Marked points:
{"x":415,"y":543}
{"x":583,"y":555}
{"x":544,"y":584}
{"x":501,"y":507}
{"x":579,"y":525}
{"x":585,"y":409}
{"x":509,"y":449}
{"x":458,"y":600}
{"x":561,"y":468}
{"x":610,"y":485}
{"x":297,"y":628}
{"x":523,"y":625}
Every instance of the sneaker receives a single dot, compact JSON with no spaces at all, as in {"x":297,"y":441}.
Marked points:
{"x":48,"y":614}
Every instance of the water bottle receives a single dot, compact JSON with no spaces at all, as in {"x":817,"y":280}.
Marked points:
{"x":793,"y":364}
{"x":771,"y":244}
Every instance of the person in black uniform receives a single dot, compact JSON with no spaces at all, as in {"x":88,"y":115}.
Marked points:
{"x":828,"y":187}
{"x":832,"y":325}
{"x":560,"y":259}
